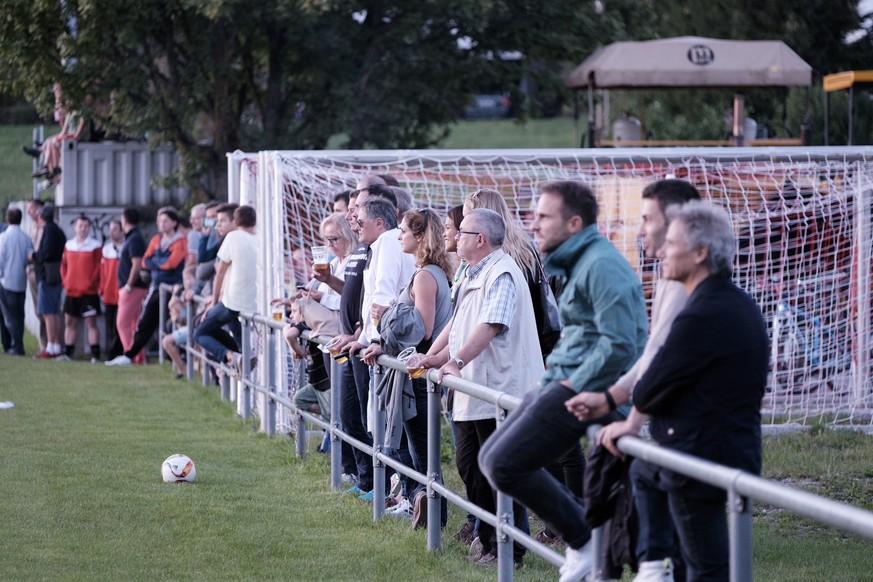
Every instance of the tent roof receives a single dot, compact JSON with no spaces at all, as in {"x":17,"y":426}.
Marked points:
{"x":692,"y":61}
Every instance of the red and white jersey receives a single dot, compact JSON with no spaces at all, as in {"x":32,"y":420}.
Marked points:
{"x":109,"y":274}
{"x":80,"y":267}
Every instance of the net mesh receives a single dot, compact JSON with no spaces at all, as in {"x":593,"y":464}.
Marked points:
{"x":802,"y":221}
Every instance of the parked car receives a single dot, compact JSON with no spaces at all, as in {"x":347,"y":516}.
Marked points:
{"x":489,"y":106}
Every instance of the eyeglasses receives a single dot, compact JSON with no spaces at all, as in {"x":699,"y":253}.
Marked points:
{"x":460,"y":232}
{"x":331,"y":240}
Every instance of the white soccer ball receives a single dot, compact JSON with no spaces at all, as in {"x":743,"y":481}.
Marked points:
{"x":178,"y":469}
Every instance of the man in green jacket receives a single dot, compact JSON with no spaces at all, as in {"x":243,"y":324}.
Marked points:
{"x":604,"y":317}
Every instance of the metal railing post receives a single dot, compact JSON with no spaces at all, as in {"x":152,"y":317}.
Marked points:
{"x":162,"y":321}
{"x":378,"y":446}
{"x":224,"y":386}
{"x":336,"y":445}
{"x":504,"y":516}
{"x":243,"y":394}
{"x":740,"y":536}
{"x":504,"y":544}
{"x":189,"y":344}
{"x":268,"y":405}
{"x":596,"y":553}
{"x":434,"y":468}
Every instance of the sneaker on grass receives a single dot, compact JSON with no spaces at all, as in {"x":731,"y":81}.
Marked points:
{"x":355,"y":490}
{"x":121,"y":360}
{"x":402,"y":510}
{"x":577,"y":564}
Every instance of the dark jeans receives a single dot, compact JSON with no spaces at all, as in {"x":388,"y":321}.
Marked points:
{"x":570,"y":470}
{"x":210,"y":334}
{"x":354,"y":391}
{"x":536,"y":435}
{"x":703,"y":536}
{"x":470,"y":441}
{"x":148,"y":321}
{"x":12,"y":310}
{"x":113,"y":342}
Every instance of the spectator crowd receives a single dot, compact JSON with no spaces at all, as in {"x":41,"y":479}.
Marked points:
{"x":557,"y":319}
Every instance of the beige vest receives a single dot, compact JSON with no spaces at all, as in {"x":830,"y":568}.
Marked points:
{"x":512,"y":362}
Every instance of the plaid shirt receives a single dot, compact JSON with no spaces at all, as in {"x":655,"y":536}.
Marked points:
{"x":501,"y":299}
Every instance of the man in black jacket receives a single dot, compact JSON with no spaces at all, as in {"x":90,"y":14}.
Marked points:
{"x":703,"y":389}
{"x":47,"y":265}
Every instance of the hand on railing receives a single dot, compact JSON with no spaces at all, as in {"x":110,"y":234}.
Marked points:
{"x":608,"y":437}
{"x":371,"y":354}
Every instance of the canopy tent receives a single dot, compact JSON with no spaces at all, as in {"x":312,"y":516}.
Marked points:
{"x":848,"y":80}
{"x":690,"y":61}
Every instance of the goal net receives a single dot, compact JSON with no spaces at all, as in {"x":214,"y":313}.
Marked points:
{"x":801,"y":217}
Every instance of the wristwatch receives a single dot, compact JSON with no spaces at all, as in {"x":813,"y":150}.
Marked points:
{"x":459,"y":362}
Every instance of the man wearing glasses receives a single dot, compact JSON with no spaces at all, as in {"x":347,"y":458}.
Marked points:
{"x":491,"y":340}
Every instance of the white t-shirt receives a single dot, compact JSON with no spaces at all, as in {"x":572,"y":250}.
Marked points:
{"x":240,"y":250}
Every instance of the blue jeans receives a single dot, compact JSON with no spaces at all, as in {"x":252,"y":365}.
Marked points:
{"x":212,"y":337}
{"x":657,"y":538}
{"x":539,"y":433}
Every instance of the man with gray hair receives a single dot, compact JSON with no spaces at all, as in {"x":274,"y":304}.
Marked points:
{"x":491,"y":340}
{"x":704,"y":388}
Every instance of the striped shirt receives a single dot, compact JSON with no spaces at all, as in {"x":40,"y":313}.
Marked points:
{"x":501,"y":299}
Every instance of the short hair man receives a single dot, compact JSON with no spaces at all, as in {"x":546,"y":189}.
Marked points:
{"x":15,"y":247}
{"x":390,"y":269}
{"x":132,"y":290}
{"x":492,"y":340}
{"x":604,"y":317}
{"x":655,"y":548}
{"x":109,"y":287}
{"x":198,"y":214}
{"x":704,"y":387}
{"x":234,"y":288}
{"x":80,"y":273}
{"x":341,"y":202}
{"x":47,"y":263}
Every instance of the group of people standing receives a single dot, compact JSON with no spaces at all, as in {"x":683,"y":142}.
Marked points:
{"x":699,"y":376}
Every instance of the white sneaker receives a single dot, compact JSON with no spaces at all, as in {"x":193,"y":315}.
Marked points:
{"x":655,"y":571}
{"x":121,"y":360}
{"x":577,"y":563}
{"x":403,"y":509}
{"x":348,"y":479}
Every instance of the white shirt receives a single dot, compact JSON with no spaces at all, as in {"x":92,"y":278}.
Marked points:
{"x":389,"y":271}
{"x":670,"y":298}
{"x":240,"y":250}
{"x":330,"y":298}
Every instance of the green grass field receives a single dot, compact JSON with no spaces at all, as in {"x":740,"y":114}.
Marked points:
{"x":84,"y":500}
{"x":15,"y":166}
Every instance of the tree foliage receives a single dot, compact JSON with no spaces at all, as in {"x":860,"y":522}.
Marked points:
{"x":213,"y":76}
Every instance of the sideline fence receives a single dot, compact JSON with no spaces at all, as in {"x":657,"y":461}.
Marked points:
{"x":263,"y":397}
{"x":802,"y":218}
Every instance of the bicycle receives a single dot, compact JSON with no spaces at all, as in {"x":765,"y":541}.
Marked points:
{"x":806,"y":350}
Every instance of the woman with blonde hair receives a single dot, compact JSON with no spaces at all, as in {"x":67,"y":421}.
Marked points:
{"x":518,"y":245}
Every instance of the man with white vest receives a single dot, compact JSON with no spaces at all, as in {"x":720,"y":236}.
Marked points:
{"x":491,"y":340}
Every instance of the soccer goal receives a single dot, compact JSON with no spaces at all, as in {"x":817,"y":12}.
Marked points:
{"x":801,"y":217}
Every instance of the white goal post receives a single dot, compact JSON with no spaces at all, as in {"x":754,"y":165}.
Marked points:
{"x":801,"y":216}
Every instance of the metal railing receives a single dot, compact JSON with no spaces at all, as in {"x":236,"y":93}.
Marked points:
{"x":740,"y":486}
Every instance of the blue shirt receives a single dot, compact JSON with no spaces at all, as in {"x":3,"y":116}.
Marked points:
{"x":14,"y":248}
